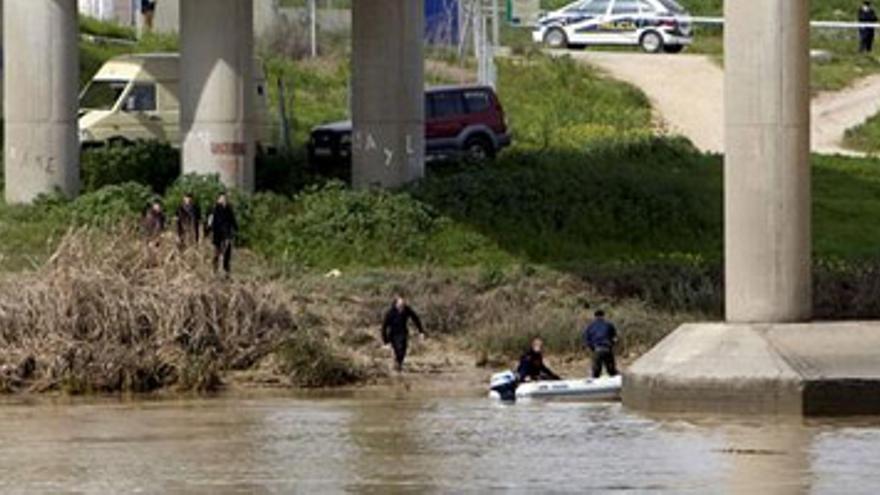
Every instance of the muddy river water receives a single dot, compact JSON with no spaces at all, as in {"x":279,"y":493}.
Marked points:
{"x":400,"y":442}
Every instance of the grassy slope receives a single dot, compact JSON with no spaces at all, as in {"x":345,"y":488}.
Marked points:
{"x":865,"y":136}
{"x":587,"y":209}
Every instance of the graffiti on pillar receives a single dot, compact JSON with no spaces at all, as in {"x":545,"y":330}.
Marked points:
{"x":366,"y":144}
{"x":25,"y":159}
{"x":389,"y":157}
{"x":371,"y":143}
{"x":229,"y":148}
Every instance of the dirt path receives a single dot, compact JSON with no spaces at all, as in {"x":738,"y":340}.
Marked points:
{"x":687,"y":92}
{"x":695,"y":109}
{"x":835,"y":112}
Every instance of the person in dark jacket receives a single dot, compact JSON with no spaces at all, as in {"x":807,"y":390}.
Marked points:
{"x":153,"y":222}
{"x":189,"y":221}
{"x":866,"y":34}
{"x":600,"y":337}
{"x":223,"y":227}
{"x":531,"y":364}
{"x":395,"y":329}
{"x":148,"y":11}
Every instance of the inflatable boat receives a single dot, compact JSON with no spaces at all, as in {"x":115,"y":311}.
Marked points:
{"x":506,"y":386}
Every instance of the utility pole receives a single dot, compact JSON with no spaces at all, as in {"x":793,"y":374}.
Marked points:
{"x":313,"y":27}
{"x":484,"y":47}
{"x":496,"y":25}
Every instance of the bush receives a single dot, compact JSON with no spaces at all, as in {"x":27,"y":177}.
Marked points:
{"x":151,"y":163}
{"x":109,"y":205}
{"x":566,"y":208}
{"x":310,"y":361}
{"x":282,"y":173}
{"x":336,"y":225}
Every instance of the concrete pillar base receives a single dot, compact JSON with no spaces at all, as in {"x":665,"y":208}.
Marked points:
{"x":810,"y":369}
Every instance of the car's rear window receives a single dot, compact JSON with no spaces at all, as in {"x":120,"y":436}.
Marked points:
{"x":673,"y":6}
{"x":623,"y":7}
{"x":477,"y":101}
{"x":446,"y":104}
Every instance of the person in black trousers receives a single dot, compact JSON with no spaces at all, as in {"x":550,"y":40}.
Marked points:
{"x":189,"y":221}
{"x":148,"y":11}
{"x":601,"y":337}
{"x":866,"y":34}
{"x":395,"y":329}
{"x":223,"y":227}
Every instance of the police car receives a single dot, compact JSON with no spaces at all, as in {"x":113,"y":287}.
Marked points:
{"x":655,"y":25}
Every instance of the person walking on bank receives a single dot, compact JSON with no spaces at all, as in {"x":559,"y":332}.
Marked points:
{"x":395,"y":329}
{"x":153,"y":222}
{"x":600,"y":337}
{"x":866,"y":34}
{"x":189,"y":221}
{"x":222,"y":227}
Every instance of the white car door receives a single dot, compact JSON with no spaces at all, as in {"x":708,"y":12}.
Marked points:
{"x":590,"y":30}
{"x":622,"y":25}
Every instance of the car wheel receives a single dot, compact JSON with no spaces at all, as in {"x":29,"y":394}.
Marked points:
{"x":478,"y":150}
{"x":651,"y":42}
{"x":556,"y":38}
{"x":673,"y":48}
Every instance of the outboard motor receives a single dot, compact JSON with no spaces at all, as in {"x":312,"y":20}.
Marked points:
{"x":504,"y":384}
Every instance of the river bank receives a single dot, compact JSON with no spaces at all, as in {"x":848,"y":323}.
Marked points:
{"x":108,"y":314}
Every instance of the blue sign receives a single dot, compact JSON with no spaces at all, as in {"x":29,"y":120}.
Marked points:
{"x":442,"y":22}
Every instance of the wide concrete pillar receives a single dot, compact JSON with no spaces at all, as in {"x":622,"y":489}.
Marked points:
{"x":767,"y":168}
{"x":388,"y":114}
{"x":217,"y":89}
{"x":41,"y":82}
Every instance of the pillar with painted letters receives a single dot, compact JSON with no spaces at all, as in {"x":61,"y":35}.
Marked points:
{"x":388,"y":114}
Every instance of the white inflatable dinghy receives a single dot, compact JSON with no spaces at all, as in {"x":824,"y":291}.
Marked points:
{"x":503,"y":386}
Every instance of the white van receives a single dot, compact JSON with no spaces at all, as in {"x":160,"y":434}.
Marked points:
{"x":135,"y":97}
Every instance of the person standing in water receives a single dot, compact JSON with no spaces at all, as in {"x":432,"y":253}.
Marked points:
{"x":395,"y":329}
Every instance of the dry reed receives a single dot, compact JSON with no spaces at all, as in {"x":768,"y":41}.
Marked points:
{"x":108,"y":313}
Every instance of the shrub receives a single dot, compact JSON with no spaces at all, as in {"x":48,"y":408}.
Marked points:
{"x":566,"y":208}
{"x":109,"y":205}
{"x":310,"y":361}
{"x":282,"y":173}
{"x":151,"y":163}
{"x":333,"y":224}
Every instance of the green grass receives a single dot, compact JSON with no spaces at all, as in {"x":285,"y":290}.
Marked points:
{"x":865,"y":136}
{"x":548,"y":107}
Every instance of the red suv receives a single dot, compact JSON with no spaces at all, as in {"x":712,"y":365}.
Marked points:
{"x":460,"y":121}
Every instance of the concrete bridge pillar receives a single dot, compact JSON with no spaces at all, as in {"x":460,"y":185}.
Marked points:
{"x":217,"y":89}
{"x":41,"y":80}
{"x":767,"y":163}
{"x":387,"y":92}
{"x":767,"y":357}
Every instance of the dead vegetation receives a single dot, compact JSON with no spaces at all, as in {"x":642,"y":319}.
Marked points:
{"x":107,"y":313}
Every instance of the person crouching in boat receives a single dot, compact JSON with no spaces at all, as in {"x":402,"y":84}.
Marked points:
{"x":531,"y":364}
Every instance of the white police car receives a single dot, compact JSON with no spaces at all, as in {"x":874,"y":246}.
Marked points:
{"x":655,"y":25}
